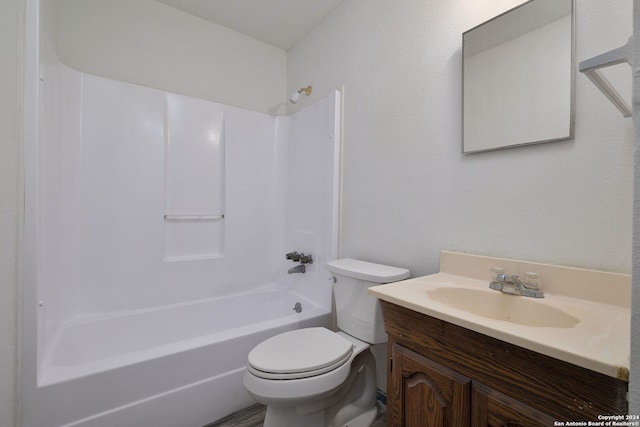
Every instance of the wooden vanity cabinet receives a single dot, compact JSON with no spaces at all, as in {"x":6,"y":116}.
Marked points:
{"x":492,"y":408}
{"x":428,"y":393}
{"x":440,"y":374}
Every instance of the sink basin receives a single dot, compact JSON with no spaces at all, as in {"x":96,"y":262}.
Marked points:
{"x":584,"y":318}
{"x":497,"y":305}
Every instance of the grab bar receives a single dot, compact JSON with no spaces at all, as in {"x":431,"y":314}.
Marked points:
{"x":175,"y":217}
{"x":616,"y":56}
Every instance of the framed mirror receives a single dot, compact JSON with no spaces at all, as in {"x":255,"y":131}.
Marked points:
{"x":519,"y":77}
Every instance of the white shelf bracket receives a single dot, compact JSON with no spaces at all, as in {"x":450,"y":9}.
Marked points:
{"x":590,"y":67}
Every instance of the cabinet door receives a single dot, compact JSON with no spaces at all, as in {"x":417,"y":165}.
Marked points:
{"x":494,"y":409}
{"x":423,"y":393}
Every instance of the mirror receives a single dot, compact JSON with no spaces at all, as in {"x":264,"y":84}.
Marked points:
{"x":518,"y":77}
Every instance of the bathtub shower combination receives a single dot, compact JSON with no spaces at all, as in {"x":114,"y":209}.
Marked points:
{"x":178,"y":365}
{"x":156,"y":231}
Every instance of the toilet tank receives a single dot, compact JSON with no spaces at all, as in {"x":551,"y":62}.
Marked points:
{"x":359,"y":313}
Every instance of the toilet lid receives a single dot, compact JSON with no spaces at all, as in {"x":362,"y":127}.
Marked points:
{"x":300,"y":353}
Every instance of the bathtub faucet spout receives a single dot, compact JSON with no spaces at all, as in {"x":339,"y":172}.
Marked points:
{"x":297,"y":269}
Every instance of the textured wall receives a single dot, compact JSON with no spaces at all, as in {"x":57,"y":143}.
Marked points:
{"x":634,"y":392}
{"x":151,"y":44}
{"x":10,"y":105}
{"x":408,"y":192}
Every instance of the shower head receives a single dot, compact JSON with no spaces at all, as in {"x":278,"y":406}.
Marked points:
{"x":295,"y":96}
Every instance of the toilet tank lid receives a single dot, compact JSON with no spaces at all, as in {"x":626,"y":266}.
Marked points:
{"x":368,"y":271}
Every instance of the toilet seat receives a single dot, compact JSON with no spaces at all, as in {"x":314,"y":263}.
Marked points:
{"x":266,"y":390}
{"x":300,"y":353}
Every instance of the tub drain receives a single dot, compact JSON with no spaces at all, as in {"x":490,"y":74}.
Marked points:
{"x":297,"y":307}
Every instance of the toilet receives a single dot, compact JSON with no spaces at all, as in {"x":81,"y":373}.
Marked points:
{"x":314,"y":377}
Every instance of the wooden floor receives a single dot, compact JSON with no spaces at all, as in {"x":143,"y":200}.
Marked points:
{"x":253,"y":416}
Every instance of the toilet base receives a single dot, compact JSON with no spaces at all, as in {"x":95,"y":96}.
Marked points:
{"x":364,"y":420}
{"x":352,"y":404}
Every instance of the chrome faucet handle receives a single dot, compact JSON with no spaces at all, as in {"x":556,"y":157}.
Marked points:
{"x":511,"y":284}
{"x":306,"y":259}
{"x":532,"y":280}
{"x":293,"y":256}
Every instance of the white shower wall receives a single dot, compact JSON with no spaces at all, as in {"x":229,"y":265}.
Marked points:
{"x":116,"y":158}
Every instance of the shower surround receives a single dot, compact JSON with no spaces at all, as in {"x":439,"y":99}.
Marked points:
{"x":157,"y":226}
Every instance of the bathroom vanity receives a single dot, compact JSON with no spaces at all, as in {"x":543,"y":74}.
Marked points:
{"x":443,"y":374}
{"x":502,"y":360}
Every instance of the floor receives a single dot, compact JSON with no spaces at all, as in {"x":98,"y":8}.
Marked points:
{"x":254,"y":415}
{"x":250,"y":417}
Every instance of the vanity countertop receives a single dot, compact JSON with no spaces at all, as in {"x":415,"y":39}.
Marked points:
{"x":584,"y":318}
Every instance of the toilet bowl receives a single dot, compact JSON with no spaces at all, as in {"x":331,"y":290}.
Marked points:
{"x":315,"y":377}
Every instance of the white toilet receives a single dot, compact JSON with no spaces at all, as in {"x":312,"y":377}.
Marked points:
{"x":314,"y":377}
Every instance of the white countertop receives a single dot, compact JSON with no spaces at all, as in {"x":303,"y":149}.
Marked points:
{"x":598,"y":338}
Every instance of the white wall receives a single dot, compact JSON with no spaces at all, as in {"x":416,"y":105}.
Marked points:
{"x":634,"y":389}
{"x":151,"y":44}
{"x":11,"y":22}
{"x":409,"y":192}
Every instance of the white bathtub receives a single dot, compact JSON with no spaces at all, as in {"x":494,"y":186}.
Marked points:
{"x":175,"y":366}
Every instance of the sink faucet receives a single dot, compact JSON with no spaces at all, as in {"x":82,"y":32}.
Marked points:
{"x":513,"y":285}
{"x":297,"y":269}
